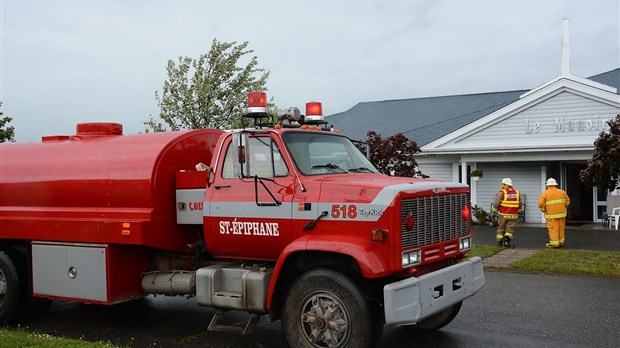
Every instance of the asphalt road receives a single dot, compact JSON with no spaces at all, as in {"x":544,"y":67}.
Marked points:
{"x":512,"y":310}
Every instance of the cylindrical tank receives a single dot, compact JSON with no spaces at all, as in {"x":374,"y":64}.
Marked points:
{"x":99,"y":186}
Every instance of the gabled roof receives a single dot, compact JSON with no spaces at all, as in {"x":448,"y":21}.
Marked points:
{"x":425,"y":120}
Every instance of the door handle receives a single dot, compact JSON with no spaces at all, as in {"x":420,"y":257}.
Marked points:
{"x":219,"y":186}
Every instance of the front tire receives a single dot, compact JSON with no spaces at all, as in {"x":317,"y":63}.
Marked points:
{"x":10,"y":290}
{"x":325,"y":308}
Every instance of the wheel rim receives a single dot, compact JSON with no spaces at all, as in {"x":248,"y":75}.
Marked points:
{"x":325,"y":320}
{"x":2,"y":287}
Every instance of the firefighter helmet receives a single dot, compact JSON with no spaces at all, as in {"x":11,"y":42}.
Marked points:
{"x":551,"y":182}
{"x":507,"y":181}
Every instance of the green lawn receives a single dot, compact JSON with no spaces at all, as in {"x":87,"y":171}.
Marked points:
{"x":484,"y":250}
{"x":17,"y":338}
{"x":576,"y":262}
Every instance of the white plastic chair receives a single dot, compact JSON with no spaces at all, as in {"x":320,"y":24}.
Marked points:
{"x":615,"y":216}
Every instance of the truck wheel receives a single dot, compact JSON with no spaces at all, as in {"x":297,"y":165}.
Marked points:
{"x":9,"y":289}
{"x":325,"y":308}
{"x":438,"y":320}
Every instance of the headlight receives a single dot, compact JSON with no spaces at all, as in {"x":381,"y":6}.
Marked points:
{"x":465,"y":243}
{"x":411,"y":258}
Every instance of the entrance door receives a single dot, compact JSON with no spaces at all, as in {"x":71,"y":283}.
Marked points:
{"x":581,"y":197}
{"x":600,"y":197}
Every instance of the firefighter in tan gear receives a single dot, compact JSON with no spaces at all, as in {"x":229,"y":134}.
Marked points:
{"x":507,"y":204}
{"x":554,"y":203}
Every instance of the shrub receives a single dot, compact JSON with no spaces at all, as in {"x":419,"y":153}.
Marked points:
{"x":482,"y":217}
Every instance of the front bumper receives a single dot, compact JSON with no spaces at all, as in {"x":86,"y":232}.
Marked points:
{"x":414,"y":299}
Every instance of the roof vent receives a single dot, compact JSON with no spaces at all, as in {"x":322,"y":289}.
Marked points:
{"x":99,"y":128}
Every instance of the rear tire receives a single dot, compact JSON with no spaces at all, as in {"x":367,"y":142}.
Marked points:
{"x":438,"y":320}
{"x":10,"y":290}
{"x":325,"y":308}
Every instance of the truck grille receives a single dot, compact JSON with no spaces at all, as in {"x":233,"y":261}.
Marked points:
{"x":437,"y":219}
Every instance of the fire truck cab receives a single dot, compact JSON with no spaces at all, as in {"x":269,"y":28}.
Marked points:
{"x":290,"y":221}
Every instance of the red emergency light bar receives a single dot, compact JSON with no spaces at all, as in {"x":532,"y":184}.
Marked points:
{"x":314,"y":111}
{"x":257,"y":104}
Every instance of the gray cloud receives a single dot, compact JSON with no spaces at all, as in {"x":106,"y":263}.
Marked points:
{"x":70,"y":61}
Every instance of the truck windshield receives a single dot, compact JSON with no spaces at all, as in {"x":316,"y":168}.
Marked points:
{"x":317,"y":153}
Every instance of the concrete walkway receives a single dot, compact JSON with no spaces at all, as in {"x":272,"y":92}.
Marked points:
{"x":506,"y":257}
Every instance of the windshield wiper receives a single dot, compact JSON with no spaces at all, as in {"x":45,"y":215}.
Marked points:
{"x":360,"y":169}
{"x":328,"y":166}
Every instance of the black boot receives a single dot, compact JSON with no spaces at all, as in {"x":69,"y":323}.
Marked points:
{"x":500,"y":243}
{"x":507,"y":242}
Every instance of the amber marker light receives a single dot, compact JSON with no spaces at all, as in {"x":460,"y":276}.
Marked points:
{"x":125,"y":231}
{"x":378,"y":234}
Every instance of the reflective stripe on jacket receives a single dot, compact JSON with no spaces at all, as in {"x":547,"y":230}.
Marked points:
{"x":509,"y":206}
{"x":553,"y":202}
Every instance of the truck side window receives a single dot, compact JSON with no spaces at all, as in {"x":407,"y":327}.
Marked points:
{"x":264,"y":157}
{"x":228,"y":171}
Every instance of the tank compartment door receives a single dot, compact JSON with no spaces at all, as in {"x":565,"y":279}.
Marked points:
{"x":83,"y":272}
{"x":70,"y":271}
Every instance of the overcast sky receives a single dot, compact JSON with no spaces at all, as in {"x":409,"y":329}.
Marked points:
{"x":69,"y":61}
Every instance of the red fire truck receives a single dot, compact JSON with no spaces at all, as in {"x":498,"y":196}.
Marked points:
{"x":290,"y":221}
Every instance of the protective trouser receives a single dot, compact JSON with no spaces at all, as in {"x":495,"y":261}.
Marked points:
{"x":505,"y":227}
{"x":556,"y":232}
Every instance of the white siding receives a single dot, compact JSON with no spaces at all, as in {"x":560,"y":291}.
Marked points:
{"x":526,"y":179}
{"x":441,"y":171}
{"x":565,"y":118}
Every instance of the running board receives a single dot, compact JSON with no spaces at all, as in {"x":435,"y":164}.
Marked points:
{"x":217,"y":325}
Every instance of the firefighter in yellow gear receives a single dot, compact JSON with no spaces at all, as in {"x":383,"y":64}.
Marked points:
{"x":554,"y":203}
{"x":508,"y":205}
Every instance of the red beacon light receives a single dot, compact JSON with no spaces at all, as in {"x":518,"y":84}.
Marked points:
{"x":465,"y":213}
{"x":257,"y":104}
{"x":314,"y":112}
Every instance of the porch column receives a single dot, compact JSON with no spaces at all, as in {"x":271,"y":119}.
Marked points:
{"x":473,"y":188}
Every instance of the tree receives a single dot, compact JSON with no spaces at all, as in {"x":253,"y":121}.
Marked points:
{"x":208,"y":92}
{"x":393,"y":155}
{"x":6,"y":133}
{"x":603,"y":168}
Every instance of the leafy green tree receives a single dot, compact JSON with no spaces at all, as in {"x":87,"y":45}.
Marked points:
{"x":208,"y":92}
{"x":6,"y":133}
{"x":393,"y":155}
{"x":603,"y":168}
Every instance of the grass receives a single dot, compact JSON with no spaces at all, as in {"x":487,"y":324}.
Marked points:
{"x":562,"y":261}
{"x":17,"y":338}
{"x":484,"y":250}
{"x":575,"y":262}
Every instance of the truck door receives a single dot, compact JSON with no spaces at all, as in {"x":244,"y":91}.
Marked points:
{"x":248,"y":214}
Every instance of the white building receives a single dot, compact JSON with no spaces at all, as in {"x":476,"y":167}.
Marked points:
{"x":548,"y":132}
